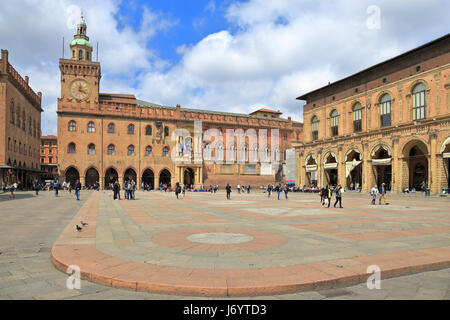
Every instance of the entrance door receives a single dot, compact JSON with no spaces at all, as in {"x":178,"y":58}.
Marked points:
{"x":189,"y":177}
{"x":92,"y":177}
{"x":148,"y":178}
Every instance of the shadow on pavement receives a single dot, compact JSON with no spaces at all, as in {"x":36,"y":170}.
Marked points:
{"x":6,"y":196}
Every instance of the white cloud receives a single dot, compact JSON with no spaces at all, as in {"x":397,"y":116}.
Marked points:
{"x":272,"y":51}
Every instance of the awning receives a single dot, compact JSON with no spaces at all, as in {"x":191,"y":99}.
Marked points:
{"x":381,"y":162}
{"x":311,"y":168}
{"x":349,"y":166}
{"x":330,"y":165}
{"x":447,"y":155}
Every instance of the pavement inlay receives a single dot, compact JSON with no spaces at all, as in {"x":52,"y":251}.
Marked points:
{"x":204,"y":245}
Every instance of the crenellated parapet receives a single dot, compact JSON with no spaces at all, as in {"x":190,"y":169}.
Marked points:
{"x":21,"y":84}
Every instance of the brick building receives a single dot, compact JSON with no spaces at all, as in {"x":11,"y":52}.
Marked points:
{"x":107,"y":137}
{"x":389,"y":123}
{"x":49,"y":157}
{"x":20,"y":127}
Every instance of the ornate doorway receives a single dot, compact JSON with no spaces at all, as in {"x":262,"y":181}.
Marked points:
{"x":189,"y":177}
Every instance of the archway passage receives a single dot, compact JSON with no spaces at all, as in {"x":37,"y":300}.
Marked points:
{"x":111,"y":177}
{"x":416,"y":153}
{"x":331,"y":171}
{"x":165,"y":177}
{"x":130,"y":175}
{"x":148,"y":178}
{"x":311,"y":171}
{"x":189,"y":177}
{"x":382,"y":166}
{"x":445,"y":150}
{"x":72,"y":175}
{"x":353,"y":170}
{"x":92,"y":178}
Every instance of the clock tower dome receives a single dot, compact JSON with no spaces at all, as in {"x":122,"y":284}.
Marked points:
{"x":80,"y":76}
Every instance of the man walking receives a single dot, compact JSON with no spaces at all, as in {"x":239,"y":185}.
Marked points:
{"x":228,"y":188}
{"x":177,"y":189}
{"x":36,"y":186}
{"x":374,"y":193}
{"x":77,"y":189}
{"x":238,"y":188}
{"x":383,"y":194}
{"x":286,"y":191}
{"x":329,"y":195}
{"x":55,"y":187}
{"x":269,"y":190}
{"x":278,"y":190}
{"x":338,"y":196}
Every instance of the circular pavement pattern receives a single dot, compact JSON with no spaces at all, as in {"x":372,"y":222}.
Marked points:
{"x":220,"y":238}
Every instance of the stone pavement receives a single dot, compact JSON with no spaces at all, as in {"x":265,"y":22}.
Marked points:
{"x":30,"y":225}
{"x":205,"y":245}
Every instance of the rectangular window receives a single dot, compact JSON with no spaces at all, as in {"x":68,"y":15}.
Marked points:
{"x":315,"y":135}
{"x":357,"y":125}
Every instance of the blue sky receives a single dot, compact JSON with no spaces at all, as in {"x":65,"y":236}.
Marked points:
{"x":229,"y":55}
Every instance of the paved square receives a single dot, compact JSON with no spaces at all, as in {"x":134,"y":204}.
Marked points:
{"x":251,"y":245}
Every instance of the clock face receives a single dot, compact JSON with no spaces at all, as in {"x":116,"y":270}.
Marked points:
{"x":80,"y":89}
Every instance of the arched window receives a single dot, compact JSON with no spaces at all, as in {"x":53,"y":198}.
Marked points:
{"x":419,"y":101}
{"x":80,"y":54}
{"x":385,"y":110}
{"x":87,"y":55}
{"x":111,"y":128}
{"x":74,"y":54}
{"x":24,"y":119}
{"x":334,"y":123}
{"x":244,"y":154}
{"x":131,"y":129}
{"x":207,"y":153}
{"x":148,"y":151}
{"x":166,"y":131}
{"x":18,"y":117}
{"x":91,"y":127}
{"x":9,"y":144}
{"x":34,"y":128}
{"x":165,"y":152}
{"x":111,"y":150}
{"x":232,"y":153}
{"x":148,"y":130}
{"x":72,"y":126}
{"x":91,"y":149}
{"x":72,"y":148}
{"x":357,"y":117}
{"x":29,"y":152}
{"x":131,"y":150}
{"x":315,"y":128}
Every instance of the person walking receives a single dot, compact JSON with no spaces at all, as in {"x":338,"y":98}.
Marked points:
{"x":12,"y":188}
{"x":322,"y":195}
{"x":238,"y":188}
{"x":269,"y":190}
{"x":338,"y":196}
{"x":184,"y":190}
{"x":78,"y":189}
{"x":69,"y":187}
{"x":383,"y":194}
{"x":374,"y":192}
{"x":177,"y":189}
{"x":228,"y":189}
{"x":286,"y":191}
{"x":133,"y":189}
{"x":278,"y":190}
{"x":329,"y":194}
{"x":36,"y":186}
{"x":55,"y":187}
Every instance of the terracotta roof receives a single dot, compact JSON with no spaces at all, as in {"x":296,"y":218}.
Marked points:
{"x":118,"y":98}
{"x":267,"y":110}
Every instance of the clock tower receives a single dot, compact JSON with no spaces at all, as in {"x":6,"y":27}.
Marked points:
{"x":80,"y":76}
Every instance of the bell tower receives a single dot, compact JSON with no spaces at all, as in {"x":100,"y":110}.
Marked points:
{"x":80,"y":47}
{"x":80,"y":76}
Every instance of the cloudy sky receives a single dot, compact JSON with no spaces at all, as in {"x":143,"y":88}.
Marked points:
{"x":227,"y":55}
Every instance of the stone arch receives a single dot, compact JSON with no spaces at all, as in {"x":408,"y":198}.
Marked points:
{"x":91,"y":176}
{"x":111,"y":176}
{"x":353,"y":149}
{"x":165,"y":176}
{"x":415,"y":153}
{"x":410,"y":143}
{"x":129,"y":174}
{"x":148,"y":178}
{"x":327,"y":156}
{"x":416,"y":82}
{"x":309,"y":159}
{"x":377,"y":148}
{"x":445,"y":147}
{"x":72,"y":174}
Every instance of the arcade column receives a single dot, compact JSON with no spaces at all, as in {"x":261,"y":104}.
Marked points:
{"x":434,"y":181}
